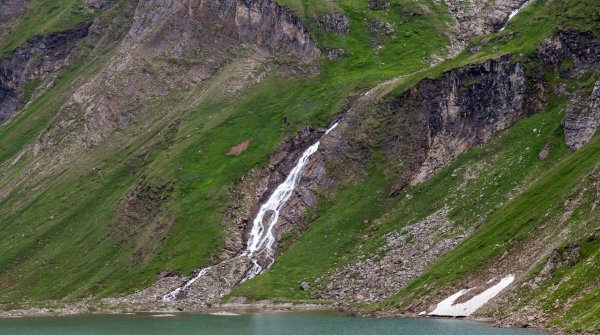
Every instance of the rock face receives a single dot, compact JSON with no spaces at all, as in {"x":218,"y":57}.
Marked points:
{"x":582,"y":118}
{"x":263,"y":23}
{"x":468,"y":108}
{"x":40,"y":56}
{"x":583,"y":48}
{"x":406,"y":254}
{"x":431,"y":124}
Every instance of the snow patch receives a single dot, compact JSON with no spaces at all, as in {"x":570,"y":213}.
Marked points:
{"x":224,"y":314}
{"x":448,"y":308}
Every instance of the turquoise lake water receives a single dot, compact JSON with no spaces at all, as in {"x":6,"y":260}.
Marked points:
{"x":249,"y":324}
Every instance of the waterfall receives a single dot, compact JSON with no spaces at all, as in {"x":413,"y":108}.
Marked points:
{"x":513,"y":13}
{"x":262,"y":236}
{"x":262,"y":239}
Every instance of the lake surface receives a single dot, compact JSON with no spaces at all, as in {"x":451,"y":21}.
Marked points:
{"x":311,"y":323}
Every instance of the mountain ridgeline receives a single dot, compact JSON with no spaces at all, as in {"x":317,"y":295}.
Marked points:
{"x":387,"y":157}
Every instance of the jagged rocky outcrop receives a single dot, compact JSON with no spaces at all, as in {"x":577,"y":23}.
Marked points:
{"x":435,"y":121}
{"x":40,"y":56}
{"x":582,"y":47}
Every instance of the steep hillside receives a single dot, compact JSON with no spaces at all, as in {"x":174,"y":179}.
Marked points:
{"x":142,"y":130}
{"x":140,"y":139}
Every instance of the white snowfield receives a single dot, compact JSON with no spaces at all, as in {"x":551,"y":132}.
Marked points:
{"x":448,"y":308}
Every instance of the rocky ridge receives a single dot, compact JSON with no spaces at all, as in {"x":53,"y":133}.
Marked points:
{"x":176,"y":31}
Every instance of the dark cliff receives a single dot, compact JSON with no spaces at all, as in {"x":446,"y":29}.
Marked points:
{"x":40,"y":56}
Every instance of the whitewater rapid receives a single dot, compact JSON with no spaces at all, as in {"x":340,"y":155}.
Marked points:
{"x":261,"y":242}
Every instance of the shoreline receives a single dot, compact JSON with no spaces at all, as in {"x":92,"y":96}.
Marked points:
{"x":100,"y":308}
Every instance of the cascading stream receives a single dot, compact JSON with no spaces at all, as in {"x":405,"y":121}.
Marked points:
{"x":262,"y":239}
{"x":261,"y":242}
{"x":513,"y":13}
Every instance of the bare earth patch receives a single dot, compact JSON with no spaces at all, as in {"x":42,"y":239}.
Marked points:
{"x":237,"y":149}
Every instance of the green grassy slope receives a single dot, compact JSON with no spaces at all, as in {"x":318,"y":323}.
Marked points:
{"x":77,"y":208}
{"x":504,"y":168}
{"x":44,"y":17}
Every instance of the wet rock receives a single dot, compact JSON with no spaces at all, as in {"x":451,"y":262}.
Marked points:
{"x":335,"y":22}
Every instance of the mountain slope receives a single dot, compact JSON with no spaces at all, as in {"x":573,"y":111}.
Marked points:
{"x":148,"y":143}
